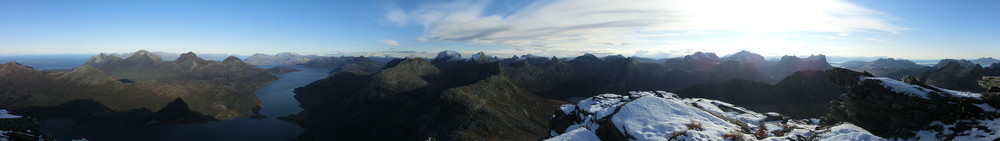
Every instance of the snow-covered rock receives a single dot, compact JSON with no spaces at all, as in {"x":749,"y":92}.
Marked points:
{"x":910,"y":109}
{"x":663,"y":116}
{"x":18,"y":128}
{"x":918,"y":91}
{"x":448,"y":56}
{"x":4,"y":114}
{"x":578,"y":134}
{"x":480,"y":56}
{"x":848,"y":132}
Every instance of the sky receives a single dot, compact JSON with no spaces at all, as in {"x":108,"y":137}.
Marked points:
{"x":912,"y":29}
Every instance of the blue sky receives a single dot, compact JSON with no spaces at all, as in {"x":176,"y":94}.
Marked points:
{"x":914,"y":29}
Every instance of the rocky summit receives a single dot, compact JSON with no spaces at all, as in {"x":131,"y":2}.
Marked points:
{"x":659,"y":115}
{"x":871,"y":108}
{"x":908,"y":108}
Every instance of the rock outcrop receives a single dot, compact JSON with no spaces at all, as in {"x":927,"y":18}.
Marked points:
{"x":900,"y":108}
{"x":991,"y":83}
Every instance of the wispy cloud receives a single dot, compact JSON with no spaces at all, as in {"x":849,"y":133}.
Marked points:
{"x":389,"y":42}
{"x":560,"y":23}
{"x":395,"y":15}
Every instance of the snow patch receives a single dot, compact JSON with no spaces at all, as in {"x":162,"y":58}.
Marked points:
{"x":578,"y":134}
{"x":601,"y":105}
{"x":651,"y":118}
{"x":848,"y":131}
{"x":986,"y":107}
{"x":992,"y":127}
{"x":917,"y":91}
{"x":5,"y":115}
{"x":567,"y":108}
{"x":662,"y":115}
{"x":475,"y":57}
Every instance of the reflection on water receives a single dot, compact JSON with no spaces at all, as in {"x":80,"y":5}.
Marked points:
{"x":277,"y":98}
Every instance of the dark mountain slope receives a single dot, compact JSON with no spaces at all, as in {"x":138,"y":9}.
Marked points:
{"x":411,"y":99}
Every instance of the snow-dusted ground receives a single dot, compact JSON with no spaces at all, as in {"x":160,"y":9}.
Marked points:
{"x":982,"y":130}
{"x":663,"y":116}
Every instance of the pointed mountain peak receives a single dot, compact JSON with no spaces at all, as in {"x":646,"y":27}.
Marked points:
{"x":189,"y":57}
{"x":259,"y":55}
{"x":144,"y":55}
{"x":407,"y":61}
{"x":448,"y":54}
{"x":286,"y":55}
{"x":232,"y":59}
{"x":19,"y":69}
{"x":103,"y":58}
{"x":478,"y":55}
{"x":15,"y":64}
{"x":619,"y":56}
{"x":703,"y":57}
{"x":586,"y":56}
{"x":790,"y":58}
{"x":87,"y":74}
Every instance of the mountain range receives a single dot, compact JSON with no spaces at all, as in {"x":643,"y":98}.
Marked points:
{"x":136,"y":89}
{"x":527,"y":97}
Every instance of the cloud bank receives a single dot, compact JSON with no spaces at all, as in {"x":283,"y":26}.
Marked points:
{"x":564,"y":23}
